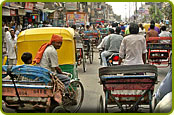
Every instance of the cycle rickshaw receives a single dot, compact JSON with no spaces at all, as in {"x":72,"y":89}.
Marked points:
{"x":80,"y":53}
{"x":127,"y":87}
{"x":43,"y":92}
{"x":159,"y":54}
{"x":87,"y":44}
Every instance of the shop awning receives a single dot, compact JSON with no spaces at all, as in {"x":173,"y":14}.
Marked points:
{"x":48,"y":11}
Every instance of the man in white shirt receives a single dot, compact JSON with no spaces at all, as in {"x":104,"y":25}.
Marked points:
{"x":11,"y":47}
{"x":165,"y":33}
{"x":133,"y":47}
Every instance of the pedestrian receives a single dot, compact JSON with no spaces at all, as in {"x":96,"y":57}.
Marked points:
{"x":165,"y":33}
{"x":155,"y":28}
{"x":7,"y":36}
{"x":16,"y":32}
{"x":133,"y":47}
{"x":122,"y":28}
{"x":141,"y":29}
{"x":40,"y":25}
{"x":3,"y":35}
{"x":47,"y":58}
{"x":152,"y":33}
{"x":11,"y":48}
{"x":112,"y":45}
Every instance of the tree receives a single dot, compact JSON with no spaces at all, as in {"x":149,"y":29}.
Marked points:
{"x":167,"y":11}
{"x":155,"y":15}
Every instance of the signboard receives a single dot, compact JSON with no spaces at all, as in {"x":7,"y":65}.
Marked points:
{"x":21,"y":12}
{"x":76,"y":18}
{"x":29,"y":6}
{"x":12,"y":12}
{"x":5,"y":12}
{"x":40,"y":5}
{"x":71,"y":5}
{"x":6,"y":4}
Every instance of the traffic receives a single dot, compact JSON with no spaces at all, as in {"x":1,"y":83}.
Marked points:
{"x":44,"y":62}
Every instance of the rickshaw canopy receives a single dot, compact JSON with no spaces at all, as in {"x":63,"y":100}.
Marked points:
{"x":31,"y":40}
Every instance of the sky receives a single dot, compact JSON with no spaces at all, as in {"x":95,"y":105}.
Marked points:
{"x":122,"y":8}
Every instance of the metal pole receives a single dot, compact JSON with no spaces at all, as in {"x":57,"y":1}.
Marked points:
{"x":136,"y":11}
{"x":129,"y":11}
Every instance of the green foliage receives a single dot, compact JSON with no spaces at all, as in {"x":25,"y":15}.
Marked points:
{"x":155,"y":15}
{"x":167,"y":11}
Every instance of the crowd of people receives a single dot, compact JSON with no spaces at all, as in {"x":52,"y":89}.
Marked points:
{"x":127,"y":40}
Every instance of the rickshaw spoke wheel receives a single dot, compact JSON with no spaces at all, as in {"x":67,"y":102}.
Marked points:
{"x":84,"y":66}
{"x":76,"y":92}
{"x":59,"y":109}
{"x":83,"y":61}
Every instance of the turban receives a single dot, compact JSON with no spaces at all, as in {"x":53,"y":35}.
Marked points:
{"x":38,"y":57}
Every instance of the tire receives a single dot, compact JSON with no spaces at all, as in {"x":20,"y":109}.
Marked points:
{"x":76,"y":95}
{"x":59,"y":109}
{"x":90,"y":55}
{"x":100,"y":106}
{"x":170,"y":62}
{"x":83,"y":61}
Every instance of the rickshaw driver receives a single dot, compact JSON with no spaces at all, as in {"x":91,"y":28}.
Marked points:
{"x":47,"y":58}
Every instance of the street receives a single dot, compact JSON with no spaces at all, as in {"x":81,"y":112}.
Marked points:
{"x":93,"y":89}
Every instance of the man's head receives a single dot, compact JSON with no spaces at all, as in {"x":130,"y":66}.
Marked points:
{"x":87,"y":26}
{"x":74,"y":27}
{"x":163,"y":28}
{"x":111,"y":31}
{"x":118,"y":30}
{"x":133,"y":28}
{"x":152,"y":22}
{"x":6,"y":29}
{"x":26,"y":58}
{"x":152,"y":26}
{"x":56,"y":41}
{"x":12,"y":33}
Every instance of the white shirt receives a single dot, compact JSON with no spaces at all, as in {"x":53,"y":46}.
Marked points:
{"x":49,"y":59}
{"x":103,"y":42}
{"x":11,"y":47}
{"x":165,"y":34}
{"x":133,"y":46}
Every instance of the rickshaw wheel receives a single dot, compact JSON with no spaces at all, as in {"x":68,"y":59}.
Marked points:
{"x":84,"y":66}
{"x":75,"y":96}
{"x":59,"y":109}
{"x":100,"y":106}
{"x":83,"y":61}
{"x":90,"y":56}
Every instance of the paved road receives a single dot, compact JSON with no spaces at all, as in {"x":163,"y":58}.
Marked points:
{"x":93,"y":89}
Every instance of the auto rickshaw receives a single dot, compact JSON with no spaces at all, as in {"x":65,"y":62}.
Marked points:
{"x":147,"y":26}
{"x":31,"y":40}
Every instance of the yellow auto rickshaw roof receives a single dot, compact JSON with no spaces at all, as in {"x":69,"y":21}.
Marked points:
{"x":45,"y":30}
{"x":31,"y":40}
